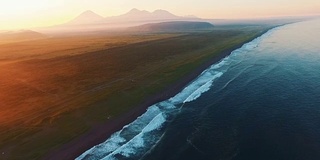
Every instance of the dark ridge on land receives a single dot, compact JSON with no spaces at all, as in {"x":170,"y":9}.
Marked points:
{"x":173,"y":26}
{"x":100,"y":133}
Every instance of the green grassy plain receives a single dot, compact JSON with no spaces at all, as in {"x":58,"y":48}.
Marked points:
{"x":56,"y":89}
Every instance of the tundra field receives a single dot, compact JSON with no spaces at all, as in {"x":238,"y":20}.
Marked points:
{"x":56,"y":89}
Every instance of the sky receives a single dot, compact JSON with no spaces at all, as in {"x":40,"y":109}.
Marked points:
{"x":25,"y":14}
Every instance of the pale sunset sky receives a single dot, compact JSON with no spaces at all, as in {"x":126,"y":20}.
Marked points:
{"x":24,"y":14}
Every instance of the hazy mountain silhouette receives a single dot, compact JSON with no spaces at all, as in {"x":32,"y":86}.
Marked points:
{"x":89,"y":21}
{"x":133,"y":15}
{"x":142,"y":15}
{"x":86,"y":17}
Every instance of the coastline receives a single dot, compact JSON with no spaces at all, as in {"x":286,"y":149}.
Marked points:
{"x":103,"y":131}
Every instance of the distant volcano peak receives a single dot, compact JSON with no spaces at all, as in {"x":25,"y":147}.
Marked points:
{"x":86,"y":17}
{"x":134,"y":10}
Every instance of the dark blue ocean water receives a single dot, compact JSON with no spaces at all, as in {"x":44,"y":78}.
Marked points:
{"x":260,"y":103}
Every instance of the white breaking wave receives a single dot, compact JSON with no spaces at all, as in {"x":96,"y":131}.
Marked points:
{"x":196,"y":88}
{"x":137,"y":137}
{"x":137,"y":142}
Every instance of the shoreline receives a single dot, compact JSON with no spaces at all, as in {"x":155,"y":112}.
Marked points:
{"x":102,"y":132}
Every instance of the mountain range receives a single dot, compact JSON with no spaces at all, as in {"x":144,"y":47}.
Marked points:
{"x":89,"y":22}
{"x":133,"y":16}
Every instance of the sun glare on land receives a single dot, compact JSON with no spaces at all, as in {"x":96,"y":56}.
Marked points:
{"x":17,"y":14}
{"x":18,"y":6}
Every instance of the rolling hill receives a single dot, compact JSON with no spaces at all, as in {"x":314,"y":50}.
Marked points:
{"x":21,"y":35}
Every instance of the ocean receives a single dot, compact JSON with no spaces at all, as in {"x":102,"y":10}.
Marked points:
{"x":260,"y":103}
